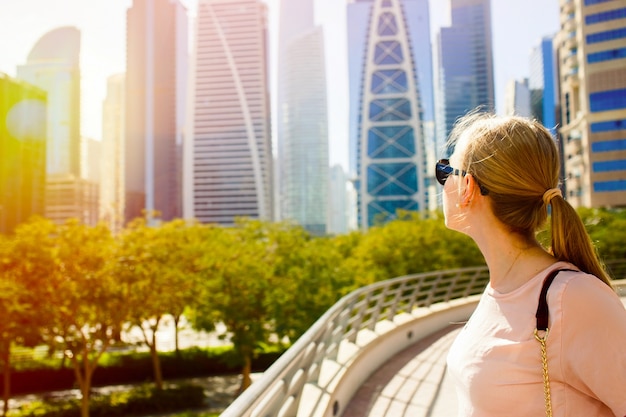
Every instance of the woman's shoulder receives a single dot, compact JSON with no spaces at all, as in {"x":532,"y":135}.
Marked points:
{"x":580,"y":290}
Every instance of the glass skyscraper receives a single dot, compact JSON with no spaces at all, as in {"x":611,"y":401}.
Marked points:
{"x":228,"y":153}
{"x":542,"y":83}
{"x":390,"y":97}
{"x":303,"y":169}
{"x":112,"y":175}
{"x":53,"y":65}
{"x":22,"y":152}
{"x":156,"y":73}
{"x":464,"y":75}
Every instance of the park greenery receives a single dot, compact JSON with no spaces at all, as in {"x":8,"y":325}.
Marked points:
{"x":75,"y":288}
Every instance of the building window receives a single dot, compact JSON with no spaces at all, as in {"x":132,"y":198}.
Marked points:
{"x":609,"y":145}
{"x":608,"y":126}
{"x":385,"y":210}
{"x":606,"y":166}
{"x":608,"y":100}
{"x":387,"y":25}
{"x":392,"y":179}
{"x":590,"y":2}
{"x":389,"y":81}
{"x":607,"y":186}
{"x":391,"y":142}
{"x":606,"y":35}
{"x":388,"y":52}
{"x":605,"y":16}
{"x":610,"y":55}
{"x":384,"y":110}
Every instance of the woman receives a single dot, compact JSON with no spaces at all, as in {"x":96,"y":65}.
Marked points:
{"x":498,"y":185}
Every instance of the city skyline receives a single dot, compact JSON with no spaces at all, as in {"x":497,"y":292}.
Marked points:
{"x":517,"y":27}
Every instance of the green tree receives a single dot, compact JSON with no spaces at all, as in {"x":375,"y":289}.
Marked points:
{"x":306,"y":278}
{"x":87,"y":305}
{"x":148,"y":271}
{"x":183,"y":243}
{"x":607,"y":229}
{"x":410,"y":245}
{"x":26,"y":259}
{"x":234,"y":285}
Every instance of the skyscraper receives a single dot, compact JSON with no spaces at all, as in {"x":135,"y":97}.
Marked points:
{"x":338,"y":201}
{"x":389,"y":49}
{"x":592,"y":58}
{"x":228,"y":157}
{"x":112,"y":164}
{"x":53,"y":65}
{"x":156,"y":72}
{"x":543,"y":83}
{"x":517,"y":98}
{"x":464,"y":74}
{"x":303,"y":128}
{"x":22,"y":152}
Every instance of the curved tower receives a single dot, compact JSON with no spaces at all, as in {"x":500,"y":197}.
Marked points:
{"x":391,"y":157}
{"x":53,"y":66}
{"x":228,"y":157}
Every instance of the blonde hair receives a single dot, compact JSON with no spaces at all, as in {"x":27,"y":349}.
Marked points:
{"x":516,"y":161}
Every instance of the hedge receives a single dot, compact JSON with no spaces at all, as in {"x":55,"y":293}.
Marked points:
{"x":142,"y":400}
{"x":134,"y":368}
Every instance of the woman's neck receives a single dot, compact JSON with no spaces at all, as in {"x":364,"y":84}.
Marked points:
{"x":513,"y":260}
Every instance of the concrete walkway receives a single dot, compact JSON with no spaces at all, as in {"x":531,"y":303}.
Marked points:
{"x":413,"y":383}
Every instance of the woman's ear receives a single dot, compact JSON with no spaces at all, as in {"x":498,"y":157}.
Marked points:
{"x":470,"y":189}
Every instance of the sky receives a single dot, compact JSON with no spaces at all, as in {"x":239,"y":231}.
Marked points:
{"x":517,"y":26}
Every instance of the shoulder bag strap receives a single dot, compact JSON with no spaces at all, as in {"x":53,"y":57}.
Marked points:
{"x":542,"y":316}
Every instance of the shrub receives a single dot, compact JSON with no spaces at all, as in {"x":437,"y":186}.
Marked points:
{"x":142,"y":400}
{"x":136,"y":367}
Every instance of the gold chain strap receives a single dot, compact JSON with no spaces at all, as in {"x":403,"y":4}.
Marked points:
{"x":546,"y":378}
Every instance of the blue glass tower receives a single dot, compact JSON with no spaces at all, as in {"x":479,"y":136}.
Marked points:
{"x":390,"y":99}
{"x":465,"y":64}
{"x":542,"y":83}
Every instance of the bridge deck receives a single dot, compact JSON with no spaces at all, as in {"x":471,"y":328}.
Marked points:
{"x":413,"y":383}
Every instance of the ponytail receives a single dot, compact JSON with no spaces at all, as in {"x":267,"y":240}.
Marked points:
{"x":571,"y":242}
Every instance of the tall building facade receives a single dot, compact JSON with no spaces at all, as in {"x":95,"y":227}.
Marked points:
{"x":228,"y":157}
{"x":303,"y":161}
{"x":543,"y":84}
{"x":156,"y":73}
{"x":592,"y":58}
{"x":53,"y":64}
{"x":517,"y":98}
{"x":338,"y":201}
{"x":389,"y":47}
{"x":464,"y":73}
{"x":112,"y":191}
{"x":22,"y":152}
{"x":71,"y":197}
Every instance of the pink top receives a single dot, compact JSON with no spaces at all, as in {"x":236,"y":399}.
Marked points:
{"x":495,"y":360}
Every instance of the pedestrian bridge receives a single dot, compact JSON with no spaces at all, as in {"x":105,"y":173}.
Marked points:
{"x":378,"y":351}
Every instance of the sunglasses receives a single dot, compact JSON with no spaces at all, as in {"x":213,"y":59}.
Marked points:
{"x":443,"y":170}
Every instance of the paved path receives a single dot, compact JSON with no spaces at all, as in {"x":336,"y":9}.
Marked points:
{"x":413,"y":383}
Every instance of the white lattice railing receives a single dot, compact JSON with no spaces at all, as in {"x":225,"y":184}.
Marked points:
{"x":301,"y":382}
